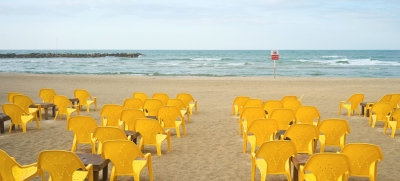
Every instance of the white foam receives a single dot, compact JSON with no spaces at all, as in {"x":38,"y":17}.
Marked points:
{"x":206,"y":59}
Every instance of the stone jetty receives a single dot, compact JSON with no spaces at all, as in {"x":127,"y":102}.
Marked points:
{"x":70,"y":55}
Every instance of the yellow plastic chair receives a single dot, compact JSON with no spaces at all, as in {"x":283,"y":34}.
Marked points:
{"x":189,"y":101}
{"x":270,"y":105}
{"x":380,"y":111}
{"x":83,"y":128}
{"x":47,"y":95}
{"x":304,"y":136}
{"x":394,"y":122}
{"x":181,"y":106}
{"x":273,"y":157}
{"x":85,"y":99}
{"x":288,"y":97}
{"x":18,"y":116}
{"x":385,"y":99}
{"x":363,"y":159}
{"x":107,"y":133}
{"x":25,"y":102}
{"x":110,"y":115}
{"x":238,"y":103}
{"x":10,"y":169}
{"x":140,"y":95}
{"x":123,"y":155}
{"x":133,"y":103}
{"x":162,"y":96}
{"x":284,"y":117}
{"x":292,"y":104}
{"x":333,"y":133}
{"x":308,"y":115}
{"x":171,"y":117}
{"x":326,"y":166}
{"x":10,"y":96}
{"x":352,"y":104}
{"x":248,"y":115}
{"x":260,"y":131}
{"x":152,"y":134}
{"x":151,"y":106}
{"x":129,"y":116}
{"x":64,"y":106}
{"x":64,"y":165}
{"x":251,"y":103}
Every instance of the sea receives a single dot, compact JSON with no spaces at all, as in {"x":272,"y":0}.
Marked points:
{"x":214,"y":63}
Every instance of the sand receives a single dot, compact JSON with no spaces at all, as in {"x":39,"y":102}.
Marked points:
{"x":212,"y":148}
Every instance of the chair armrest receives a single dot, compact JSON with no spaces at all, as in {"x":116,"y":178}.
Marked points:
{"x":90,"y":169}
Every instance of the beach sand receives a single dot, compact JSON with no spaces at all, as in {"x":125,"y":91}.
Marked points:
{"x":212,"y":148}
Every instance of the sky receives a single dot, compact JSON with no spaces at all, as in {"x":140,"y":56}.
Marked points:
{"x":200,"y":24}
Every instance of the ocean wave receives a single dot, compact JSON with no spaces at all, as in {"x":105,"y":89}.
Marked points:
{"x":168,"y":63}
{"x":238,"y":64}
{"x":332,"y":57}
{"x":206,"y":59}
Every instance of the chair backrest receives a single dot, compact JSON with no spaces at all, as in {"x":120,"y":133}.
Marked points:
{"x":284,"y":117}
{"x":288,"y":97}
{"x":381,"y":110}
{"x":251,"y":113}
{"x":162,"y":96}
{"x":395,"y":100}
{"x":270,"y":105}
{"x":307,"y":115}
{"x":6,"y":166}
{"x":140,"y":95}
{"x":327,"y":166}
{"x":60,"y":165}
{"x":185,"y":97}
{"x":10,"y":96}
{"x":107,"y":133}
{"x":263,"y":129}
{"x":62,"y":103}
{"x":253,"y":103}
{"x":385,"y":98}
{"x":82,"y":95}
{"x":168,"y":115}
{"x":83,"y":127}
{"x":133,"y":103}
{"x":121,"y":153}
{"x":276,"y":154}
{"x":239,"y":102}
{"x":111,"y":112}
{"x":177,"y":103}
{"x":334,"y":129}
{"x":355,"y":100}
{"x":23,"y":101}
{"x":292,"y":104}
{"x":151,"y":106}
{"x":303,"y":136}
{"x":363,"y":158}
{"x":148,"y":129}
{"x":47,"y":94}
{"x":14,"y":112}
{"x":129,"y":116}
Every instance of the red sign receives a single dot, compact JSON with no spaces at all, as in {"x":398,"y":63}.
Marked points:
{"x":274,"y":55}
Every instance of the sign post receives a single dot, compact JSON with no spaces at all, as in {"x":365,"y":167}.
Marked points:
{"x":274,"y":57}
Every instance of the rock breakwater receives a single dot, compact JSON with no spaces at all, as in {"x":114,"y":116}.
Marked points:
{"x":70,"y":55}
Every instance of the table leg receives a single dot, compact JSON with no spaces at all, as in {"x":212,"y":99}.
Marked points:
{"x":105,"y":173}
{"x":54,"y":111}
{"x":362,"y":110}
{"x":46,"y":113}
{"x":96,"y":175}
{"x":295,"y":174}
{"x":2,"y":127}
